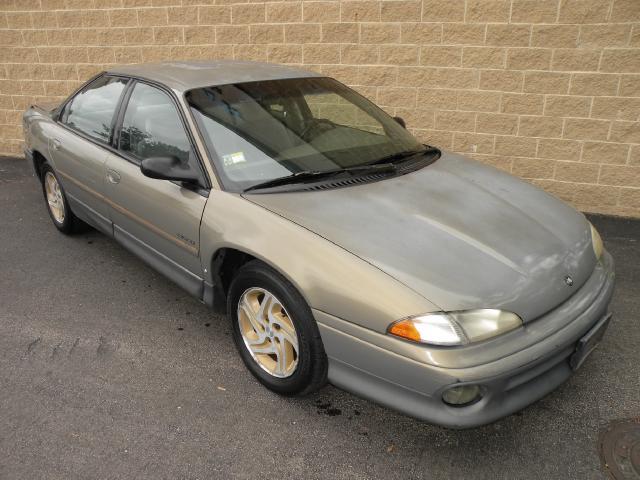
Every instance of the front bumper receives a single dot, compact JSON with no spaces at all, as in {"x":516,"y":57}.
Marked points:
{"x":359,"y":362}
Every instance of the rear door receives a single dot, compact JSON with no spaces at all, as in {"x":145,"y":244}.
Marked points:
{"x":157,"y":219}
{"x":79,"y":147}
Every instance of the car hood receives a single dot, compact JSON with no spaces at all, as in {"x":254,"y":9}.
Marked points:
{"x":462,"y":234}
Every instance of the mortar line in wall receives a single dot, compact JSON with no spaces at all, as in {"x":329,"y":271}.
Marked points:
{"x":600,"y":61}
{"x":599,"y":172}
{"x":554,"y":169}
{"x":557,"y":13}
{"x":610,"y":10}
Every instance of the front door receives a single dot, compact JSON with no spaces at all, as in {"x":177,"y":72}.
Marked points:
{"x":77,"y":148}
{"x":157,"y":219}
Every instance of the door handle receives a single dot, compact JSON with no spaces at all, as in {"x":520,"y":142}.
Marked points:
{"x":113,"y":176}
{"x":55,"y":144}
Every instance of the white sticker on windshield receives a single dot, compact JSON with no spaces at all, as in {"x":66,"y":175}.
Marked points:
{"x":233,"y":159}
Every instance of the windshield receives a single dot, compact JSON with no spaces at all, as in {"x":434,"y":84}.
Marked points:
{"x":259,"y":131}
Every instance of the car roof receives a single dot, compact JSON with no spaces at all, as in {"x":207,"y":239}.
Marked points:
{"x":182,"y":75}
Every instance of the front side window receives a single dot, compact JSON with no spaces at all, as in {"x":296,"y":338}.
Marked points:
{"x":91,"y":111}
{"x":152,"y":127}
{"x":259,"y":131}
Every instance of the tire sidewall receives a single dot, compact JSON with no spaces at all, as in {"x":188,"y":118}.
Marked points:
{"x":260,"y":276}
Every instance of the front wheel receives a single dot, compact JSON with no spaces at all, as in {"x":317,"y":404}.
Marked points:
{"x":57,"y":204}
{"x":275,"y":332}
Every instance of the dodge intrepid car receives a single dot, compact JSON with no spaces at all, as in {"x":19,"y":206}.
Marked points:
{"x":341,"y":248}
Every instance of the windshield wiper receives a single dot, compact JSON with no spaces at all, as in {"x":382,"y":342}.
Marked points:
{"x":313,"y":174}
{"x":395,"y":157}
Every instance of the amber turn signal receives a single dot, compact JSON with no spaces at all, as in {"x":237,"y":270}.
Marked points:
{"x":405,"y":330}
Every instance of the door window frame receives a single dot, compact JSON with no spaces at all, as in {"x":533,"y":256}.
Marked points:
{"x":119,"y":119}
{"x":62,"y":112}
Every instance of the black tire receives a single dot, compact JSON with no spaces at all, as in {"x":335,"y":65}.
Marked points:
{"x":71,"y":223}
{"x":311,"y":371}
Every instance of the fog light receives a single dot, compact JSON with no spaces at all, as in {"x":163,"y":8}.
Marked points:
{"x":462,"y":395}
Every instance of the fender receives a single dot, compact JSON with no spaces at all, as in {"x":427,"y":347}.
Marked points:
{"x":331,"y":279}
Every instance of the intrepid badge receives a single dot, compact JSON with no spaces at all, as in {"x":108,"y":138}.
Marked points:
{"x":568,"y":280}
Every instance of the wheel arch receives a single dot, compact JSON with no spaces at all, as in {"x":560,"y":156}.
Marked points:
{"x":226,"y":261}
{"x":38,"y":161}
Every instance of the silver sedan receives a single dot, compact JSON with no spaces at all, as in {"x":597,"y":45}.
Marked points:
{"x":341,"y":248}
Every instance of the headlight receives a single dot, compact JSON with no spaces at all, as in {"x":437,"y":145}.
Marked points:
{"x":596,"y":241}
{"x":455,"y":328}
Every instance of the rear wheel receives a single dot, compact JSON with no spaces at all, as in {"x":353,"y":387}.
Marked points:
{"x":57,"y":204}
{"x":275,"y":332}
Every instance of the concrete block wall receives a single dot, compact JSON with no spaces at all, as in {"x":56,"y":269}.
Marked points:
{"x":546,"y":89}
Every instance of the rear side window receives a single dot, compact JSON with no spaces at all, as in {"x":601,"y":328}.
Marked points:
{"x":91,"y":111}
{"x":152,"y":127}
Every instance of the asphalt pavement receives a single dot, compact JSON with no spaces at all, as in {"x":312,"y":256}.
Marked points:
{"x":108,"y":370}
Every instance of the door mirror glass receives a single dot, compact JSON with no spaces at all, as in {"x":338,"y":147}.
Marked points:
{"x":168,"y":168}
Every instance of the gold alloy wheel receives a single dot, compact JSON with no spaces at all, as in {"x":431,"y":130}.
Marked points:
{"x":54,"y":197}
{"x":268,"y":332}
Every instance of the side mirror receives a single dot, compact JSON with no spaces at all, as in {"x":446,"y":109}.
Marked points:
{"x":168,"y":168}
{"x":400,"y":121}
